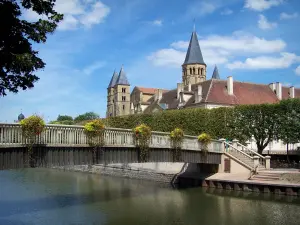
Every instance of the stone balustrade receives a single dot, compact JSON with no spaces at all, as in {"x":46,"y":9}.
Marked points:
{"x":69,"y":135}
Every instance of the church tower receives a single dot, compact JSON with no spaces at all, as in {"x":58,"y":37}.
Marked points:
{"x":121,"y":95}
{"x":110,"y":95}
{"x":193,"y":68}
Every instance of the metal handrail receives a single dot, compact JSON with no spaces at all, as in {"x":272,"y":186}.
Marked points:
{"x":259,"y":155}
{"x":226,"y":143}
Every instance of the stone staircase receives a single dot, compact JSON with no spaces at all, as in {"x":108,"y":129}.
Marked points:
{"x":245,"y":155}
{"x":242,"y":158}
{"x":266,"y":176}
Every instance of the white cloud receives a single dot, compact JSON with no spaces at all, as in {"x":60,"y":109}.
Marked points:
{"x":261,"y":5}
{"x":93,"y":67}
{"x":264,"y":24}
{"x":226,"y":12}
{"x":157,"y":22}
{"x":201,"y":8}
{"x":73,"y":7}
{"x":96,"y":15}
{"x":167,"y":57}
{"x":69,"y":23}
{"x":218,"y":49}
{"x":237,"y":42}
{"x":286,"y":16}
{"x":297,"y":70}
{"x":265,"y":62}
{"x":77,"y":13}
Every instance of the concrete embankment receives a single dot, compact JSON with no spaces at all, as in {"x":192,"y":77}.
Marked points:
{"x":160,"y":172}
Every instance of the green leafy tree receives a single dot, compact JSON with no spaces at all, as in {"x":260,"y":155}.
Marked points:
{"x":86,"y":116}
{"x":259,"y":121}
{"x":18,"y":61}
{"x":289,"y":122}
{"x":64,"y":117}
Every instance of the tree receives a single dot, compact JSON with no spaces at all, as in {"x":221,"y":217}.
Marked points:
{"x":259,"y":121}
{"x":289,"y":122}
{"x":86,"y":116}
{"x":64,"y":117}
{"x":18,"y":61}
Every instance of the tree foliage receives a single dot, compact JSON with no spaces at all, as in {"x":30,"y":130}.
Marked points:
{"x":86,"y":116}
{"x":64,"y":118}
{"x":289,"y":122}
{"x":18,"y":61}
{"x":259,"y":121}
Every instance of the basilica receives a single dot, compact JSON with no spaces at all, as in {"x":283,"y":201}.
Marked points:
{"x":195,"y":90}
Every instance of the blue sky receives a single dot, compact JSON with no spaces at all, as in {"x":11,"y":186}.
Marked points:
{"x":252,"y":40}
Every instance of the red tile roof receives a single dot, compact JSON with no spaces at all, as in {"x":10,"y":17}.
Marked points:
{"x":215,"y":92}
{"x":286,"y":92}
{"x":243,"y":93}
{"x":150,"y":90}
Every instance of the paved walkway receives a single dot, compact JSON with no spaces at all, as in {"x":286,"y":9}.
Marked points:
{"x":244,"y":178}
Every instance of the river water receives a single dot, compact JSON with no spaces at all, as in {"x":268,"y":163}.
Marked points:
{"x":44,"y":196}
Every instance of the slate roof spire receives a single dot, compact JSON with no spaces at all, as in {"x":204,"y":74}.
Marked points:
{"x":122,"y":79}
{"x":216,"y":73}
{"x":113,"y":80}
{"x":194,"y":54}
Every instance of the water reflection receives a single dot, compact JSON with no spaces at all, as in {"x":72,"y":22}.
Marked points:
{"x":37,"y":196}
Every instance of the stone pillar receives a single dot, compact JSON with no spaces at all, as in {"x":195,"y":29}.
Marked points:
{"x":256,"y":161}
{"x":223,"y":144}
{"x":268,"y":162}
{"x":235,"y":143}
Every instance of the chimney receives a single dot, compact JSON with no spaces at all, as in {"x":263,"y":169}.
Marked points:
{"x":292,"y":92}
{"x":272,"y":86}
{"x":230,"y":85}
{"x":189,"y":87}
{"x":278,"y":90}
{"x":131,"y":108}
{"x":198,"y":94}
{"x":158,"y":94}
{"x":179,"y":89}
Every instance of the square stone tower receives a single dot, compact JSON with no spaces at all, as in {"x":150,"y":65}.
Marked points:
{"x":118,"y":96}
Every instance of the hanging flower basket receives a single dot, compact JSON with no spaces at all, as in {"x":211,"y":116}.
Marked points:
{"x":141,"y":136}
{"x":176,"y":137}
{"x":32,"y":127}
{"x":204,"y":139}
{"x":94,"y":131}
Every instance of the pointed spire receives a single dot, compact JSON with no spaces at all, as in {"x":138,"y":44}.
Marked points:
{"x":216,"y":73}
{"x":122,"y":79}
{"x":194,"y":54}
{"x":194,"y":25}
{"x":113,"y":80}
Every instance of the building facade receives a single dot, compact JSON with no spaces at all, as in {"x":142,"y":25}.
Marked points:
{"x":195,"y":90}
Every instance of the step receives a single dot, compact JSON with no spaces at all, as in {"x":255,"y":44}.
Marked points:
{"x":265,"y":177}
{"x":268,"y":175}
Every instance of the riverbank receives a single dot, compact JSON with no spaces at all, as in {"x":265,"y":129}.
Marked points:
{"x":158,"y":172}
{"x":170,"y":173}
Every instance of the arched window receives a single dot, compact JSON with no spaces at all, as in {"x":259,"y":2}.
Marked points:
{"x":198,"y":71}
{"x":194,"y":70}
{"x":201,"y":71}
{"x":190,"y":70}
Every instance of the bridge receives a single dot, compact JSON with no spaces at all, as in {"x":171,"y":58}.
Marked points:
{"x":65,"y":145}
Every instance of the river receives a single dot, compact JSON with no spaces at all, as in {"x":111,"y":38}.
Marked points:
{"x":44,"y":196}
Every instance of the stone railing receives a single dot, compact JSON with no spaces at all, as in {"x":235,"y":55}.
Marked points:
{"x":69,"y":135}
